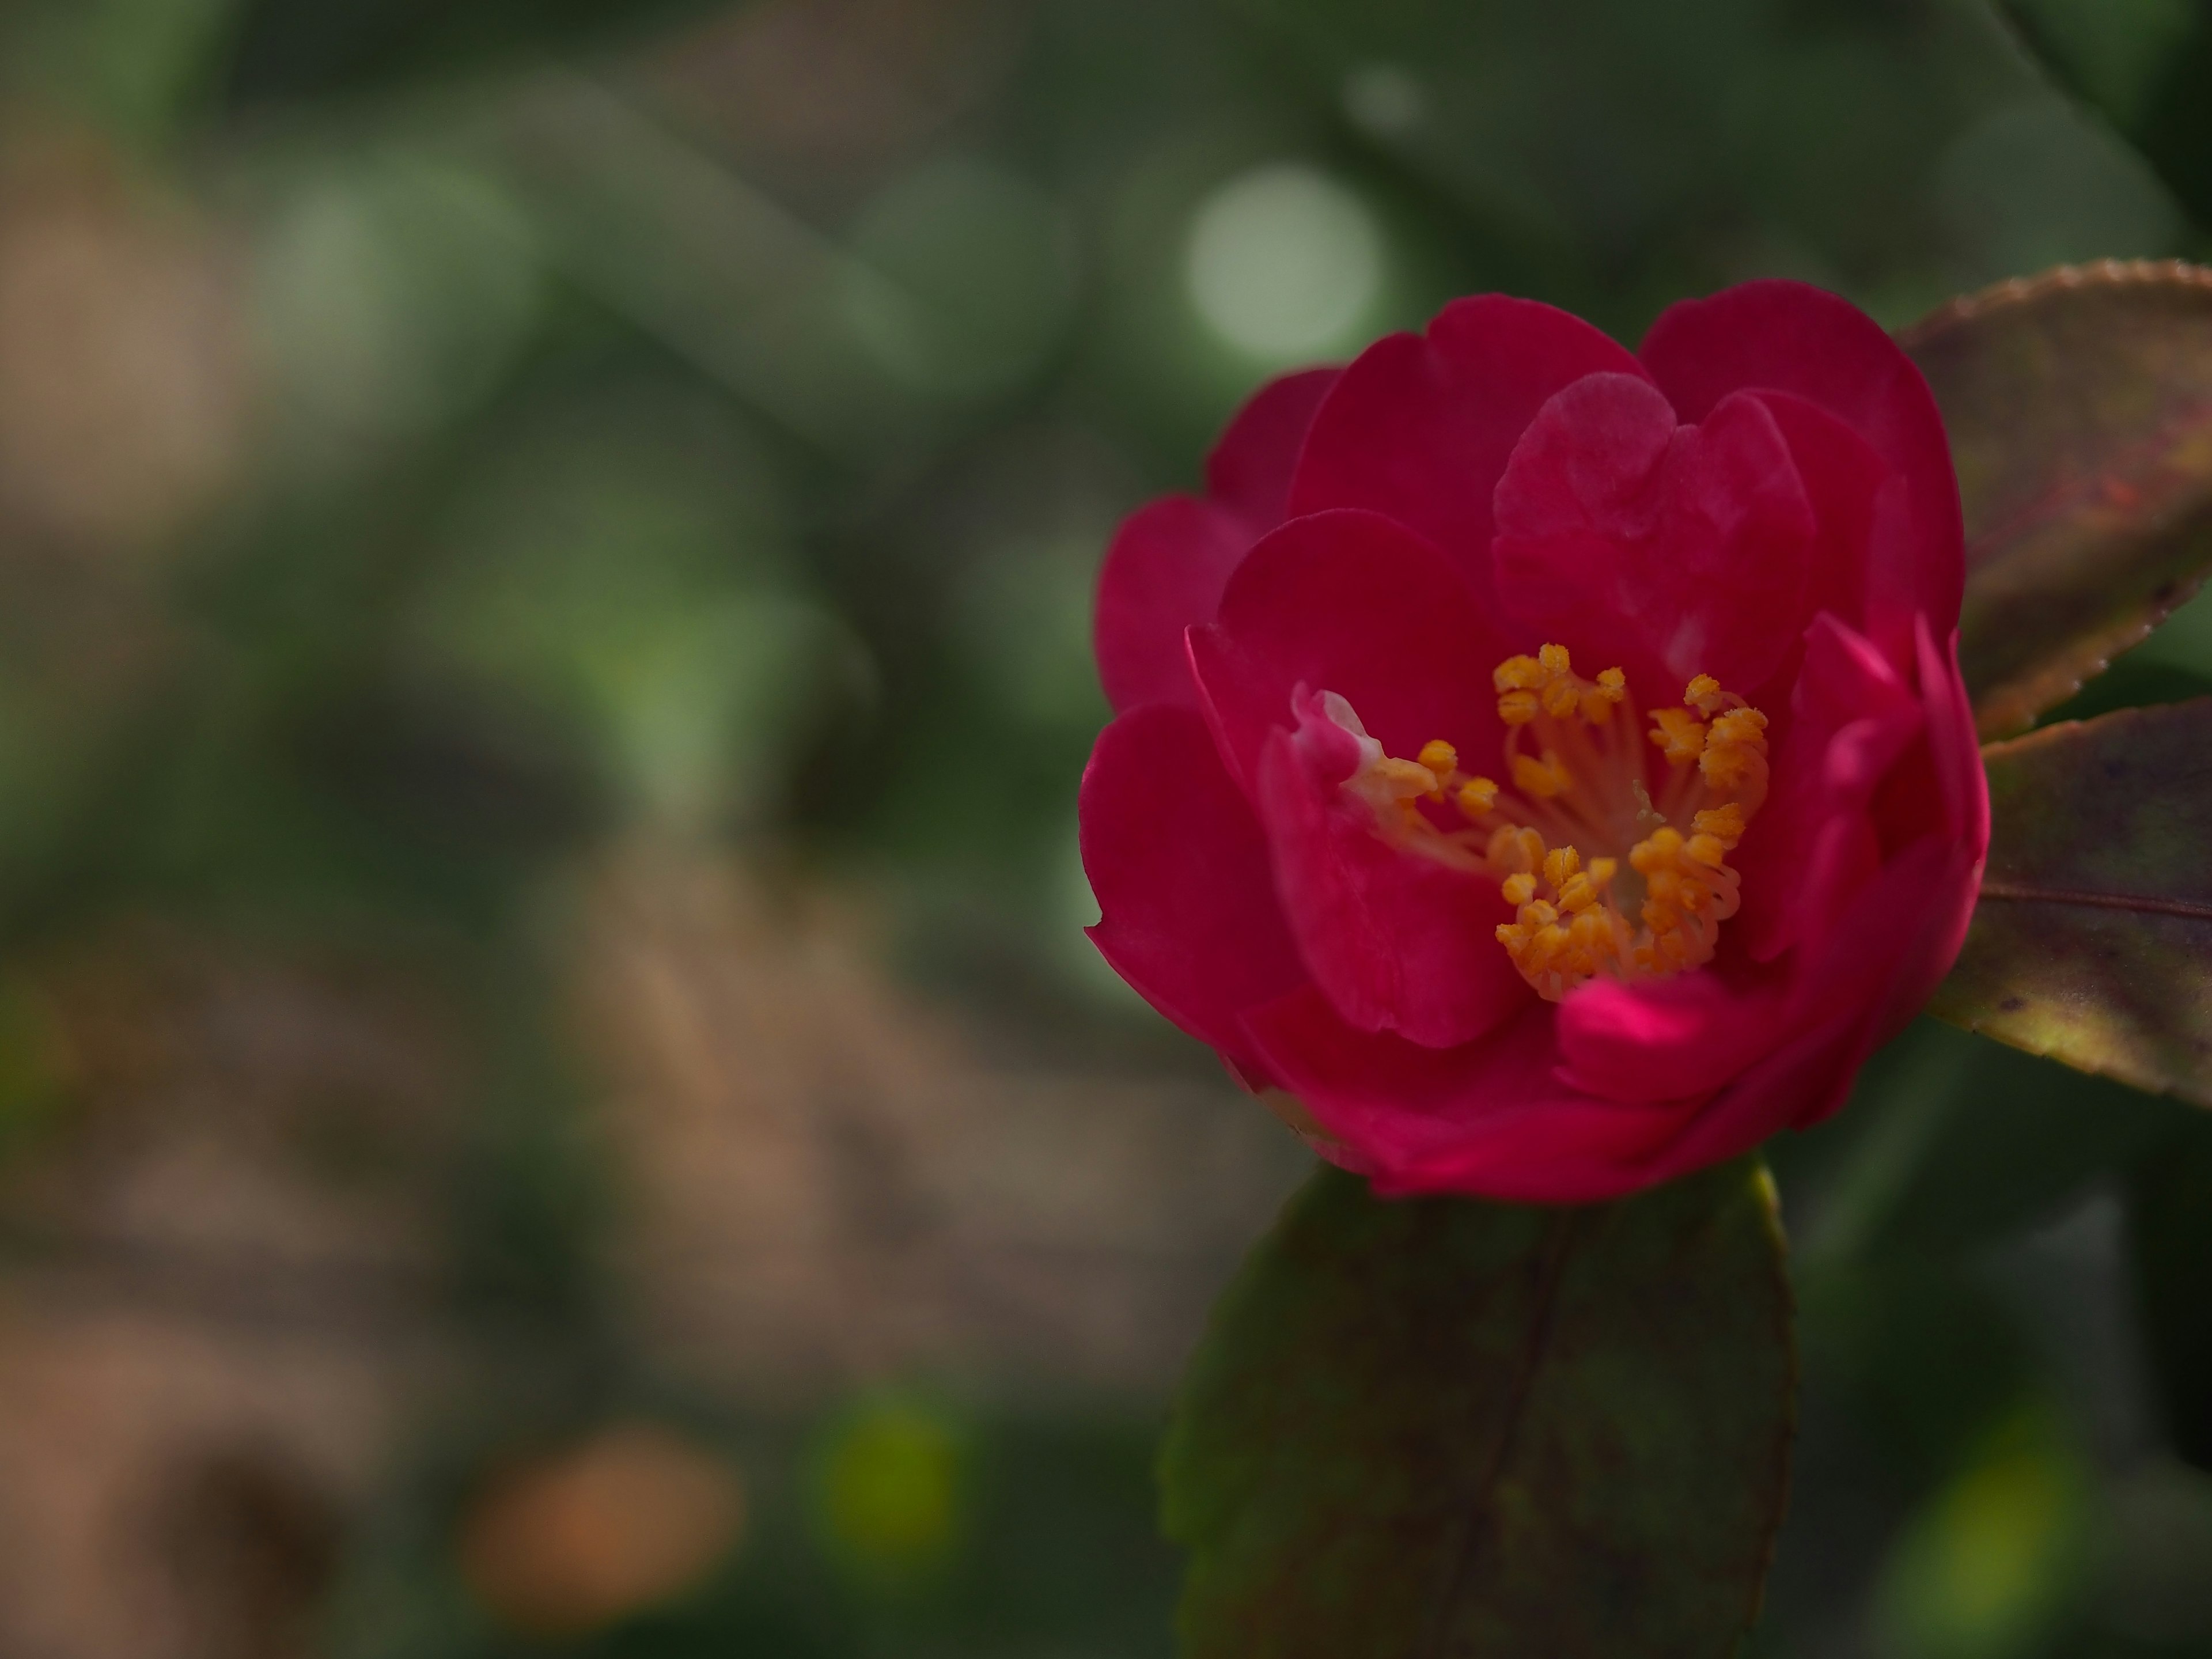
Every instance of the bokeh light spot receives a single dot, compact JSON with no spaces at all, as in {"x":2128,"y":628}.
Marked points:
{"x":890,"y":1490}
{"x":1283,"y":262}
{"x":1384,"y":101}
{"x":625,"y":1521}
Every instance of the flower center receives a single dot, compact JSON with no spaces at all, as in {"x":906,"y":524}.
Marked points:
{"x":1581,"y":802}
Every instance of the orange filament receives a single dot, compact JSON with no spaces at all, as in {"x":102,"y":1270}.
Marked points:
{"x":1579,"y":780}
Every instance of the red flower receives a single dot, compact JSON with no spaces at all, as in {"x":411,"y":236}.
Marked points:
{"x":1549,"y":765}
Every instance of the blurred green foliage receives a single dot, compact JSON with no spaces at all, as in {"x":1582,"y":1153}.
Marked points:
{"x":703,"y":426}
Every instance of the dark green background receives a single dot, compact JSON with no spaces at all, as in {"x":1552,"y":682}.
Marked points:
{"x":657,"y":426}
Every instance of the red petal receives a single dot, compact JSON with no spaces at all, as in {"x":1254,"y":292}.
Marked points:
{"x":1420,"y":426}
{"x":1186,"y":902}
{"x":1670,"y":550}
{"x":1165,"y":571}
{"x":1842,"y":479}
{"x":1171,"y":560}
{"x":1250,"y":471}
{"x":1398,"y":942}
{"x":1812,"y":845}
{"x":1667,"y":1039}
{"x":1788,"y":336}
{"x":1354,"y":603}
{"x":1489,"y":1117}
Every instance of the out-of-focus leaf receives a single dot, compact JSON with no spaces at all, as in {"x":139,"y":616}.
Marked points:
{"x":1446,"y":1427}
{"x":1989,"y":1565}
{"x":2079,"y":405}
{"x":2142,"y":64}
{"x":2170,"y":1239}
{"x":2093,"y":941}
{"x":282,"y":51}
{"x":1952,"y":1143}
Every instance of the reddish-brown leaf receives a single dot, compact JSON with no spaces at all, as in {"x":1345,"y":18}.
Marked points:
{"x":2093,"y":942}
{"x":2079,"y":404}
{"x":1444,"y":1426}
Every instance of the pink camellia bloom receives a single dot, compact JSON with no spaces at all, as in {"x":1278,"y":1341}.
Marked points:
{"x":1548,"y":765}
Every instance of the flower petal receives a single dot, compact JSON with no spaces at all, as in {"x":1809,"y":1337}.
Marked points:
{"x":1186,"y":900}
{"x":1170,"y":559}
{"x":1667,"y":1039}
{"x":1354,"y":603}
{"x":1813,"y":844}
{"x":1842,"y":479}
{"x":1789,"y":336}
{"x":1420,"y":425}
{"x":1398,"y":942}
{"x":1672,"y":550}
{"x":1489,"y":1117}
{"x":1165,"y":571}
{"x":1250,"y":471}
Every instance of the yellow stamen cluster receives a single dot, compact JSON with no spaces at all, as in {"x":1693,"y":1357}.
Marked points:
{"x":1578,"y":779}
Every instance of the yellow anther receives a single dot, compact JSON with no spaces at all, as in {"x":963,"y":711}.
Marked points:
{"x":1733,"y":769}
{"x":1724,"y":824}
{"x":1679,"y":735}
{"x":1509,"y":848}
{"x":1402,"y":780}
{"x":1518,"y":674}
{"x":1676,"y":830}
{"x":1740,"y":726}
{"x":1546,"y":779}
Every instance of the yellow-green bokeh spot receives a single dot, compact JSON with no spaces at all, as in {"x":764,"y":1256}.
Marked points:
{"x":1994,"y":1558}
{"x":889,"y":1489}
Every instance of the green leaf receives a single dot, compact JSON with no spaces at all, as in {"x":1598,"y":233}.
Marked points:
{"x":2093,"y":940}
{"x":2079,"y":405}
{"x":1441,"y":1426}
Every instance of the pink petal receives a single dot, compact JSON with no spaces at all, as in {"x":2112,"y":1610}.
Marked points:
{"x":1843,"y":478}
{"x":1420,"y":426}
{"x":1797,"y":1083}
{"x":1186,"y":898}
{"x":1672,"y":550}
{"x":1813,"y":844}
{"x":1666,"y":1039}
{"x":1788,"y":336}
{"x":1398,"y":942}
{"x":1354,"y":603}
{"x":1963,"y":828}
{"x":1250,"y":471}
{"x":1171,"y":560}
{"x":1489,"y":1117}
{"x":1164,"y":571}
